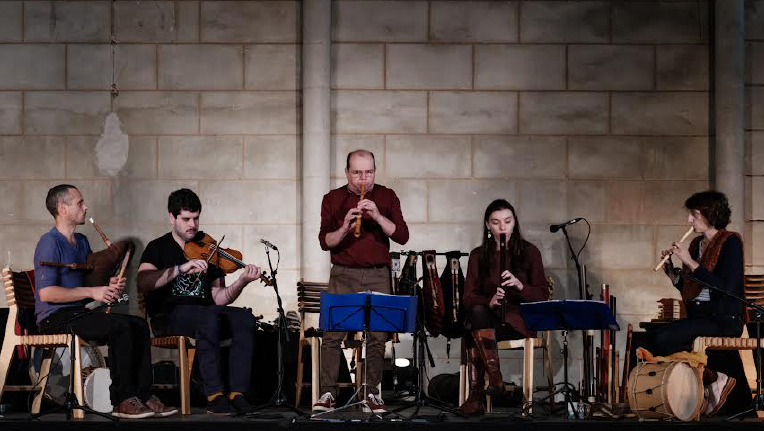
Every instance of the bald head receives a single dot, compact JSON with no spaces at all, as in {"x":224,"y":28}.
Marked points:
{"x":360,"y":154}
{"x":360,"y":169}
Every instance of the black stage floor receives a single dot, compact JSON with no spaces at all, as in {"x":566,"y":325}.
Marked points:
{"x":428,"y":419}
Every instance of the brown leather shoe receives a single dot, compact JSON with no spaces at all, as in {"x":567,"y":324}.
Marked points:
{"x":157,"y":406}
{"x":485,"y":340}
{"x":132,"y":408}
{"x":474,"y":404}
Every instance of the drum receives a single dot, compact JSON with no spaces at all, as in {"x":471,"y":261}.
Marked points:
{"x":58,"y":377}
{"x":96,"y":390}
{"x":665,"y":390}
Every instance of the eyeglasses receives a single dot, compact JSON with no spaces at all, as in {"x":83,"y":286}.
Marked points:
{"x":359,"y":173}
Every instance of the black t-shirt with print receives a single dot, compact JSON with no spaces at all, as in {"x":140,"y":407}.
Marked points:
{"x":192,"y":289}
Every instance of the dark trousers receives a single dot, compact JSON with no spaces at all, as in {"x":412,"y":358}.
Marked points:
{"x":679,"y":335}
{"x":483,"y":317}
{"x":209,"y":325}
{"x":127,"y":338}
{"x":343,"y":279}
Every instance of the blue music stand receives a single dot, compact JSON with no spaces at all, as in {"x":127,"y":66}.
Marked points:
{"x":566,"y":315}
{"x":343,"y":312}
{"x":367,"y":312}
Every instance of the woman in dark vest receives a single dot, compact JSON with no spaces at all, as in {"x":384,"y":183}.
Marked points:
{"x":485,"y":288}
{"x":716,"y":258}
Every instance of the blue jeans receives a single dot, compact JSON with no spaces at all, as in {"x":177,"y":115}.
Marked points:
{"x":209,"y":325}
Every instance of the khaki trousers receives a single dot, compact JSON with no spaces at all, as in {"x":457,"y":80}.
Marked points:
{"x":344,"y":279}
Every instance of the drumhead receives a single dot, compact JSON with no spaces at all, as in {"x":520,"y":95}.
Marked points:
{"x":684,"y":391}
{"x":58,"y":377}
{"x":96,"y":390}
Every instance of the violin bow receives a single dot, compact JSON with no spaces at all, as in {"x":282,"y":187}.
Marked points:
{"x":214,"y":249}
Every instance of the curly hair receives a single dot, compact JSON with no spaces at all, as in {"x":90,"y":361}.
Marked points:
{"x":713,"y":205}
{"x":183,"y":199}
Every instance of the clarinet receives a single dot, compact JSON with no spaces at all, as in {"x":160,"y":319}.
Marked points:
{"x":502,"y":268}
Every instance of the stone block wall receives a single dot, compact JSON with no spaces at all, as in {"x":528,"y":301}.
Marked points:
{"x":755,"y":135}
{"x":208,"y":94}
{"x":596,"y":109}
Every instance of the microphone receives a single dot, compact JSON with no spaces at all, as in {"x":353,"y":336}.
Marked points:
{"x":268,"y":244}
{"x":555,"y":227}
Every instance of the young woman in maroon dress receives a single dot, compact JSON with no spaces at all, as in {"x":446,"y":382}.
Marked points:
{"x":484,"y":290}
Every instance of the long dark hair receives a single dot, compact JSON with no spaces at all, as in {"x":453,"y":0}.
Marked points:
{"x":515,"y":247}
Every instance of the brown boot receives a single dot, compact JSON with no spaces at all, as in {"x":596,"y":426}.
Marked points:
{"x":485,"y":340}
{"x":474,"y":404}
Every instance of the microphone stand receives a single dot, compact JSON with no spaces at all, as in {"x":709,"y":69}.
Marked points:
{"x":279,"y":397}
{"x":757,"y":404}
{"x":587,"y":342}
{"x":422,"y":355}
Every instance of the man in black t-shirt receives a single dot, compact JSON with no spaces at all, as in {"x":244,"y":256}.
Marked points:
{"x":189,"y":297}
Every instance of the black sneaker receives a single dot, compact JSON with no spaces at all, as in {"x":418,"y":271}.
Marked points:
{"x":219,"y":406}
{"x":240,"y":404}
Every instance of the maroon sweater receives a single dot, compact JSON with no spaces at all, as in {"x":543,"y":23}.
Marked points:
{"x":479,"y":291}
{"x":373,"y":247}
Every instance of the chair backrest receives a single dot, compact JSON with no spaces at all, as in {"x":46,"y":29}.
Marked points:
{"x":754,"y":288}
{"x":309,"y":300}
{"x":19,"y":288}
{"x":19,"y":292}
{"x":550,"y":283}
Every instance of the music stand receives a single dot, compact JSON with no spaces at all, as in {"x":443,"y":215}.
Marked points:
{"x":565,"y":316}
{"x":367,"y":312}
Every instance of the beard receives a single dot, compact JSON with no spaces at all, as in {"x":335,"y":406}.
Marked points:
{"x":187,"y":235}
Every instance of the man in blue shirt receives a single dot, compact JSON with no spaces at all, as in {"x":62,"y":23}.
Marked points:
{"x":60,"y":300}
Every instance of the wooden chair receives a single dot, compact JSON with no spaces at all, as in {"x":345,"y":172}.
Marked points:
{"x":528,"y":345}
{"x":309,"y":302}
{"x":19,"y":292}
{"x":186,"y":355}
{"x":754,"y":291}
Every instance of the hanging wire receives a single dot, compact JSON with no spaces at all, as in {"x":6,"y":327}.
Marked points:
{"x":113,"y":42}
{"x":578,"y":255}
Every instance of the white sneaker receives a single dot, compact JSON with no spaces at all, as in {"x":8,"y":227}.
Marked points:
{"x":704,"y":405}
{"x":374,"y":404}
{"x":325,"y":403}
{"x":718,"y":392}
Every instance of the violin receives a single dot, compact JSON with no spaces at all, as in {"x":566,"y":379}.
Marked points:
{"x":227,"y":259}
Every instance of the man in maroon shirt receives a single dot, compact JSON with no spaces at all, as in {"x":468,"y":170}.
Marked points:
{"x":358,"y":264}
